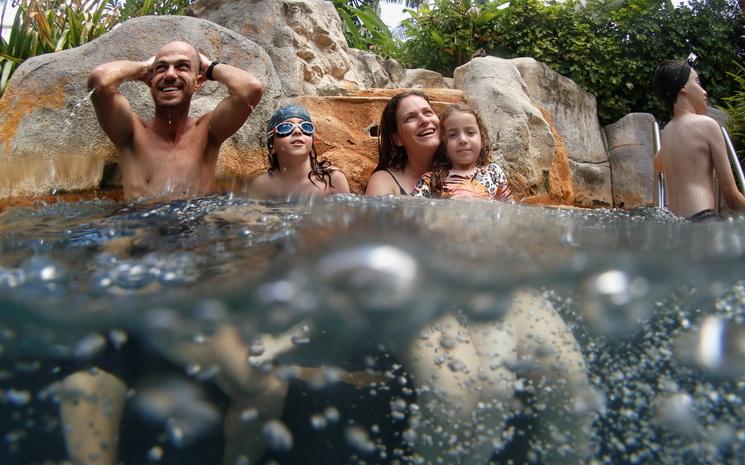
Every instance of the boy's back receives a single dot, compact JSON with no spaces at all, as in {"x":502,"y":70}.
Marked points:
{"x":685,"y":157}
{"x":692,"y":147}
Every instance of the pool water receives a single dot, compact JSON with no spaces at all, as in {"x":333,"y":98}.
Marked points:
{"x":655,"y":304}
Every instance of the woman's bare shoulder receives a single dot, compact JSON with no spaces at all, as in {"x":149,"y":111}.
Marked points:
{"x":381,"y":183}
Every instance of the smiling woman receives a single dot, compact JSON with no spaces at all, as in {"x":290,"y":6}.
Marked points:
{"x":408,"y":139}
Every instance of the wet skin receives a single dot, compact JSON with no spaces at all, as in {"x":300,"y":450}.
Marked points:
{"x":293,"y":154}
{"x":692,"y":148}
{"x":173,"y":155}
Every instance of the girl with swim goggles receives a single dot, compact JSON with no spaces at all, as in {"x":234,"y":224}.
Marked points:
{"x":294,"y":168}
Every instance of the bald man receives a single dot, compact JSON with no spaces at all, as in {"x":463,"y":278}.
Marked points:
{"x":171,"y":155}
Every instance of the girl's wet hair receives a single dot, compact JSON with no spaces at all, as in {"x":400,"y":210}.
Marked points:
{"x":391,"y":155}
{"x":441,"y":163}
{"x":319,"y":170}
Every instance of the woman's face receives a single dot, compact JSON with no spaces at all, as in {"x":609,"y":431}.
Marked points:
{"x":417,"y":125}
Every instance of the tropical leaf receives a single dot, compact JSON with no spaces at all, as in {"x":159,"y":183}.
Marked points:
{"x":44,"y":26}
{"x":8,"y":67}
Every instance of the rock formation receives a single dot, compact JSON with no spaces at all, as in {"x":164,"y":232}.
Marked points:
{"x":631,"y":148}
{"x":304,"y":38}
{"x":574,"y":114}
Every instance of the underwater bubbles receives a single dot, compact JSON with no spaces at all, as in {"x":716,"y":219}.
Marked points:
{"x":11,"y":277}
{"x":718,"y":347}
{"x":277,"y":436}
{"x":180,"y":406}
{"x":676,"y":413}
{"x":613,"y":302}
{"x":381,"y":277}
{"x":359,"y":439}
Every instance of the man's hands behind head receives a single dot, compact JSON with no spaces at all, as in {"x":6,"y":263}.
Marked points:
{"x":147,"y":71}
{"x":204,"y":63}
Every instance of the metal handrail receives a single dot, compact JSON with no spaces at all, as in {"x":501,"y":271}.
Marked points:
{"x":660,"y":199}
{"x":733,"y":159}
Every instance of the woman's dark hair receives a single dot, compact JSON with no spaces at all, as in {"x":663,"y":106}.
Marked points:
{"x":441,"y":164}
{"x":391,"y":155}
{"x":320,"y":170}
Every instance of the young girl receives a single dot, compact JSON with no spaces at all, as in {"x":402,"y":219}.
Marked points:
{"x":463,"y":170}
{"x":294,"y":168}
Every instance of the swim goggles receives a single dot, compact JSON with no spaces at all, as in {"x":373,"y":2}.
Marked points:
{"x":285,"y":129}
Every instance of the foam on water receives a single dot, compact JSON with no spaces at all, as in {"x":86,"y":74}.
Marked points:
{"x":656,"y":304}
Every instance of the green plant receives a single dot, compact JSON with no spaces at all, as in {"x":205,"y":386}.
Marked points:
{"x":734,"y":105}
{"x":444,"y":35}
{"x":48,"y":27}
{"x":44,"y":26}
{"x":610,"y":49}
{"x":364,"y":30}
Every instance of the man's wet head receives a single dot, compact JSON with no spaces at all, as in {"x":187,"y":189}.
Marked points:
{"x":175,"y":74}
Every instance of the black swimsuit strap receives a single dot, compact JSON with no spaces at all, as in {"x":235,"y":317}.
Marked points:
{"x":400,"y":189}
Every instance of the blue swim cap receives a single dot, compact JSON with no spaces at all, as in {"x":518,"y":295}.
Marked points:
{"x":286,"y":112}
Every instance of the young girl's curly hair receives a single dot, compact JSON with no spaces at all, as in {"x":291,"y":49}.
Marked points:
{"x":441,"y":164}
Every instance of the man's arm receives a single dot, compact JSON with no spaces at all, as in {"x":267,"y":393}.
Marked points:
{"x":112,"y":108}
{"x":732,"y":196}
{"x":244,"y":91}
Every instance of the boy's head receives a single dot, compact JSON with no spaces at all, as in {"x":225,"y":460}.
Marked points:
{"x":671,"y":76}
{"x":283,"y":114}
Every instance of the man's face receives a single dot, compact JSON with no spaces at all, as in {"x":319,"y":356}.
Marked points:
{"x":175,"y":75}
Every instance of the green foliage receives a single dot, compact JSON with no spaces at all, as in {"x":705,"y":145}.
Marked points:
{"x":364,"y":30}
{"x":734,"y":105}
{"x":444,"y":35}
{"x":44,"y":26}
{"x":134,"y":8}
{"x":611,"y":51}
